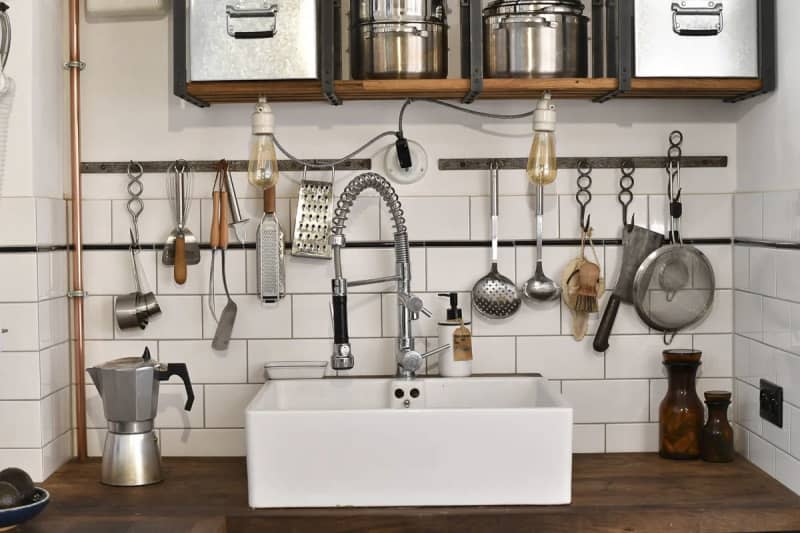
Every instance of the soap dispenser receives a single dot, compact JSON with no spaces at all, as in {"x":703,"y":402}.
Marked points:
{"x":455,"y":361}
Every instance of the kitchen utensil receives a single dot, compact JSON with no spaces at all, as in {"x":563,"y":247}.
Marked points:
{"x":238,"y":220}
{"x":269,"y":250}
{"x":222,"y":336}
{"x":312,"y":226}
{"x":135,"y":309}
{"x":535,"y":38}
{"x":295,"y":369}
{"x":540,"y":288}
{"x":129,"y":390}
{"x":214,"y":242}
{"x":696,"y":38}
{"x":182,"y":248}
{"x":570,"y":286}
{"x":495,"y":296}
{"x":401,"y":50}
{"x":637,"y":244}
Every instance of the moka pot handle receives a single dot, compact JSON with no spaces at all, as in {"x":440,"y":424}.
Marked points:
{"x":180,"y":370}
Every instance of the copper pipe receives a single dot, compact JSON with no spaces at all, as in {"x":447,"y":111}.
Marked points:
{"x":77,"y":238}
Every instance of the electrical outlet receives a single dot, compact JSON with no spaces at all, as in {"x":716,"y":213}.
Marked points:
{"x":771,"y":399}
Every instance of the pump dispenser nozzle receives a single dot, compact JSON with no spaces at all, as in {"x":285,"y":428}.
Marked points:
{"x":454,"y":313}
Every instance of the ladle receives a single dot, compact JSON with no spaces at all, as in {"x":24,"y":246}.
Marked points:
{"x":540,"y":288}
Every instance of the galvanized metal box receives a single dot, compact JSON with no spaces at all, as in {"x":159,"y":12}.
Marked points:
{"x":251,"y":39}
{"x":696,"y":38}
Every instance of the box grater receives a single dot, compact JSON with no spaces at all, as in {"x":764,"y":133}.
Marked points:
{"x":312,"y":225}
{"x":269,"y":251}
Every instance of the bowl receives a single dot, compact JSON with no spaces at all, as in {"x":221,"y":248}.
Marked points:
{"x":295,"y":369}
{"x":17,"y":515}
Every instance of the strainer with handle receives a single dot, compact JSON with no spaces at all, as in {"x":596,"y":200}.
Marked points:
{"x":494,"y":295}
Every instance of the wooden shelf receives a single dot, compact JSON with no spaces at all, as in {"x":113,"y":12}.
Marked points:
{"x":576,"y":88}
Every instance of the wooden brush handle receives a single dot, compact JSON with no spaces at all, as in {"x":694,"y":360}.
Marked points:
{"x":269,"y":200}
{"x":215,"y":221}
{"x":180,"y":260}
{"x":223,"y":221}
{"x":588,"y":276}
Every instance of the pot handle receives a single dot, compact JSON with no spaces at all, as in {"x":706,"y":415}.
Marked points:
{"x":180,"y":370}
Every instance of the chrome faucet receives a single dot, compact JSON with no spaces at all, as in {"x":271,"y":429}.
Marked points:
{"x":409,"y":360}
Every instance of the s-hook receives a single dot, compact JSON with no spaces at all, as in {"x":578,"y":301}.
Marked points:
{"x":135,"y":189}
{"x":584,"y":195}
{"x":625,"y":196}
{"x":674,"y":154}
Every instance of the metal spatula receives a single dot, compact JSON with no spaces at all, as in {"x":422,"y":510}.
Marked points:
{"x":222,"y":336}
{"x":182,"y":247}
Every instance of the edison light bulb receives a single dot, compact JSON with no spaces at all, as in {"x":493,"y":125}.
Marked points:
{"x":542,"y":162}
{"x":262,"y":168}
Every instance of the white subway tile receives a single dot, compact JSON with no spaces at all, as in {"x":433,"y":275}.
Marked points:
{"x":608,"y":401}
{"x":491,"y":355}
{"x":260,"y":352}
{"x":21,"y":320}
{"x":458,"y":269}
{"x":761,"y":453}
{"x":109,"y":272}
{"x":19,"y":379}
{"x":432,"y":219}
{"x":311,"y":315}
{"x":53,"y":322}
{"x":762,"y":271}
{"x":51,"y":218}
{"x":28,"y":459}
{"x":788,"y":374}
{"x":705,"y":215}
{"x":254,"y":320}
{"x":787,"y":265}
{"x":52,"y":274}
{"x":781,"y":213}
{"x":639,"y":356}
{"x":25,"y":418}
{"x":787,"y":470}
{"x":517,"y":218}
{"x":95,"y":417}
{"x":226,"y":404}
{"x":793,"y":414}
{"x":197,"y":275}
{"x":559,"y":357}
{"x":56,"y":415}
{"x":205,"y":364}
{"x":18,"y":282}
{"x":17,"y":221}
{"x":627,"y":438}
{"x":180,"y":318}
{"x":606,"y":216}
{"x":54,"y":368}
{"x":202,"y":443}
{"x":56,"y":454}
{"x":95,"y":442}
{"x":779,"y":436}
{"x":746,"y":408}
{"x":717,"y":355}
{"x":588,"y":438}
{"x":374,"y":357}
{"x":748,"y":316}
{"x":741,"y":267}
{"x":740,"y":439}
{"x":99,"y":317}
{"x":777,"y":323}
{"x":749,"y":220}
{"x":96,"y":217}
{"x":171,"y":403}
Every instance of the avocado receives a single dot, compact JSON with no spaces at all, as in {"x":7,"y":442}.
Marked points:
{"x":21,"y":481}
{"x":9,"y":496}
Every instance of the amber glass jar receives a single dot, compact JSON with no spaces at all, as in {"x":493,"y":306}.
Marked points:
{"x":717,"y":442}
{"x":680,"y":414}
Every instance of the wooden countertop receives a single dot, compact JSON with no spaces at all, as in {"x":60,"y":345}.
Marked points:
{"x":620,"y":492}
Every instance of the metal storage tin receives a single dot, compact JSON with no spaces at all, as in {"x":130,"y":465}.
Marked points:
{"x":251,"y":39}
{"x":696,"y":38}
{"x":402,"y":50}
{"x":535,"y":38}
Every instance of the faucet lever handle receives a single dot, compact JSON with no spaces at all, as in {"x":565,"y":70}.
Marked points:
{"x":414,"y":304}
{"x":436,"y":350}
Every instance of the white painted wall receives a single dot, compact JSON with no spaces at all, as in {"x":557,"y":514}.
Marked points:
{"x":767,"y":299}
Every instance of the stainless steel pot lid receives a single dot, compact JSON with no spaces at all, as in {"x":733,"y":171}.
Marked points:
{"x":532,"y":7}
{"x":674,"y":288}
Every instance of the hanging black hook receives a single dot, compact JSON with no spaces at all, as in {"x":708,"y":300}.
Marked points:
{"x":584,"y":195}
{"x":625,"y":197}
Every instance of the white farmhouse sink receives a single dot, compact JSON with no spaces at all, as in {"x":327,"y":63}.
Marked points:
{"x":461,"y":441}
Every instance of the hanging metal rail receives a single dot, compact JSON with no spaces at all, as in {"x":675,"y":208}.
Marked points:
{"x":512,"y":163}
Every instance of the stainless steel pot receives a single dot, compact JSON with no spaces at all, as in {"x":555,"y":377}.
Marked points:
{"x":535,"y":39}
{"x":408,"y":50}
{"x":401,"y":11}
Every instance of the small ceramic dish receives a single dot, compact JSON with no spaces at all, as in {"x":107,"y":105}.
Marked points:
{"x":10,"y":518}
{"x":295,"y":369}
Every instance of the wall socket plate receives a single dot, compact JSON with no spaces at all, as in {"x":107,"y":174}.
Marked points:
{"x":771,"y":401}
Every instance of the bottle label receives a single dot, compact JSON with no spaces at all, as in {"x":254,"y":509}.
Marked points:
{"x":462,"y":344}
